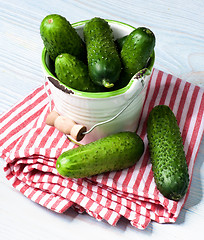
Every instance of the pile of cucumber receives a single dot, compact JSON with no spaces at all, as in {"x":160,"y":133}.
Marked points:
{"x":99,"y":63}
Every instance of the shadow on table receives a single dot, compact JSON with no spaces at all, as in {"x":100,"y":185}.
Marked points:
{"x":122,"y":225}
{"x":196,"y":194}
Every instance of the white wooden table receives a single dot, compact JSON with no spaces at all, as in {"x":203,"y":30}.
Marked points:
{"x":179,"y":29}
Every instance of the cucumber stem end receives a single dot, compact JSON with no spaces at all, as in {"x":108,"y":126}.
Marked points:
{"x":107,"y":84}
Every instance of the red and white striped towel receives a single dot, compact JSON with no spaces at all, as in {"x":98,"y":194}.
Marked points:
{"x":30,"y":149}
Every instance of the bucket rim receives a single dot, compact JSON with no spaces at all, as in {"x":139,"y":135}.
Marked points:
{"x":95,"y":95}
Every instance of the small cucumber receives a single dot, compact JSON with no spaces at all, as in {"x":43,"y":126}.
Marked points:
{"x":59,"y":36}
{"x":136,"y":51}
{"x":167,"y":153}
{"x":103,"y":59}
{"x":112,"y":153}
{"x":74,"y":73}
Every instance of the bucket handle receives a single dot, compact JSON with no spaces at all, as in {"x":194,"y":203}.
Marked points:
{"x":137,"y":78}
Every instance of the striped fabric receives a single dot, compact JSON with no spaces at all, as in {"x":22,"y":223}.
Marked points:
{"x":30,"y":149}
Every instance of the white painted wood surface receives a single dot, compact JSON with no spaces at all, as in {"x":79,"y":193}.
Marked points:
{"x":179,"y":28}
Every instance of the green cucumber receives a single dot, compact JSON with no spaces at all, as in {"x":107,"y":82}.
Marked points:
{"x":167,"y":153}
{"x":103,"y":59}
{"x":59,"y":36}
{"x":119,"y":42}
{"x":112,"y":153}
{"x":136,"y":51}
{"x":74,"y":73}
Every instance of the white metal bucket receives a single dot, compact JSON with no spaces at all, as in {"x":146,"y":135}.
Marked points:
{"x":92,"y":108}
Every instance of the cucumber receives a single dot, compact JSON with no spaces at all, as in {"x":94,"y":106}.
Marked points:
{"x":112,"y":153}
{"x":136,"y":51}
{"x":167,"y":153}
{"x":119,"y":42}
{"x":103,"y":59}
{"x":74,"y":73}
{"x":59,"y":36}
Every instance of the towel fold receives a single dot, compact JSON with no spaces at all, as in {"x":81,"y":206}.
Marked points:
{"x":30,"y":149}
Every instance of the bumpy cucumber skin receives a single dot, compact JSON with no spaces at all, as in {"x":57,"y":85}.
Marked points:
{"x":167,"y":153}
{"x":59,"y":36}
{"x":136,"y":50}
{"x":103,"y":59}
{"x":112,"y":153}
{"x":74,"y":73}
